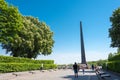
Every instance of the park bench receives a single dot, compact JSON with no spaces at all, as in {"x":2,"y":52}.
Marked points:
{"x":103,"y":75}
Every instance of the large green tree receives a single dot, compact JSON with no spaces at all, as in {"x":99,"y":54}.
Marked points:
{"x":22,"y":43}
{"x":114,"y":31}
{"x":41,"y":37}
{"x":34,"y":39}
{"x":10,"y":22}
{"x":23,"y":36}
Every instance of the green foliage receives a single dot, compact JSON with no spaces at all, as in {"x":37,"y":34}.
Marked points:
{"x":114,"y":66}
{"x":7,"y":59}
{"x":14,"y":64}
{"x":114,"y":62}
{"x":115,"y":57}
{"x":110,"y":56}
{"x":97,"y":63}
{"x":114,"y":31}
{"x":118,"y":50}
{"x":10,"y":22}
{"x":17,"y":67}
{"x":23,"y":36}
{"x":92,"y":62}
{"x":49,"y":66}
{"x":41,"y":37}
{"x":101,"y":62}
{"x":104,"y":65}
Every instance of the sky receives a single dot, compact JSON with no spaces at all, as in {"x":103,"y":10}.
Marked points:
{"x":63,"y":17}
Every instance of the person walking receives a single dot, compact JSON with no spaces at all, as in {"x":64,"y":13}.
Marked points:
{"x":92,"y":67}
{"x":41,"y":68}
{"x":83,"y":70}
{"x":75,"y":68}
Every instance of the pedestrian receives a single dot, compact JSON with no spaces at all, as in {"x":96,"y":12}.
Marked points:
{"x":75,"y":68}
{"x":92,"y":67}
{"x":41,"y":68}
{"x":83,"y":70}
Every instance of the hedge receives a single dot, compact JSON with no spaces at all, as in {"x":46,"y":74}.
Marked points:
{"x":115,"y":58}
{"x":8,"y":59}
{"x":114,"y":66}
{"x":17,"y":67}
{"x":104,"y":65}
{"x":15,"y":64}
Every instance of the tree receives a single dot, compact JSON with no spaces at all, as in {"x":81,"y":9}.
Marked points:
{"x":34,"y":39}
{"x":47,"y":42}
{"x":100,"y":62}
{"x":110,"y":56}
{"x":114,"y":31}
{"x":118,"y":50}
{"x":43,"y":38}
{"x":23,"y":36}
{"x":10,"y":22}
{"x":23,"y":41}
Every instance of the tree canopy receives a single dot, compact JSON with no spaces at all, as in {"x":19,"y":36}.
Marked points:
{"x":23,"y":36}
{"x":10,"y":22}
{"x":114,"y":31}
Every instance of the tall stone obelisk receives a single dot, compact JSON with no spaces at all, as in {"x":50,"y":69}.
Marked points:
{"x":83,"y":58}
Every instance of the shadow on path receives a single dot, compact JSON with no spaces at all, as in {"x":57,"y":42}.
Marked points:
{"x":87,"y":71}
{"x":89,"y":75}
{"x":114,"y":75}
{"x":81,"y":77}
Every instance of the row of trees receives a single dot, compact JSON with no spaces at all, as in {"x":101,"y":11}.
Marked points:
{"x":23,"y":36}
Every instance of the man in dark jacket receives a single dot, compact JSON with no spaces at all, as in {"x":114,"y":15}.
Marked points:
{"x":76,"y":68}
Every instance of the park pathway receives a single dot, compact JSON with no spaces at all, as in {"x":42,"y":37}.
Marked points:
{"x":63,"y":74}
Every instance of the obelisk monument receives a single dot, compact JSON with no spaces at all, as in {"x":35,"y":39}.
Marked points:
{"x":83,"y":58}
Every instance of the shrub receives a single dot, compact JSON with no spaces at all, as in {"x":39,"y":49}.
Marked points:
{"x":115,"y":58}
{"x":114,"y":66}
{"x":7,"y":59}
{"x":17,"y":67}
{"x":14,"y":64}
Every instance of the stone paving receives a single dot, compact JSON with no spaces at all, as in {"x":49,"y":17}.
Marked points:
{"x":66,"y":74}
{"x":63,"y":74}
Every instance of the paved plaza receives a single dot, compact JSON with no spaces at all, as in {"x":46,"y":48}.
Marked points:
{"x":63,"y":74}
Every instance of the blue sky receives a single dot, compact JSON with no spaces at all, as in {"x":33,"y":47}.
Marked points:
{"x":64,"y":16}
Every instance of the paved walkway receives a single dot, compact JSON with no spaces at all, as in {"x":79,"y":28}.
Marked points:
{"x":65,"y":74}
{"x":49,"y":75}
